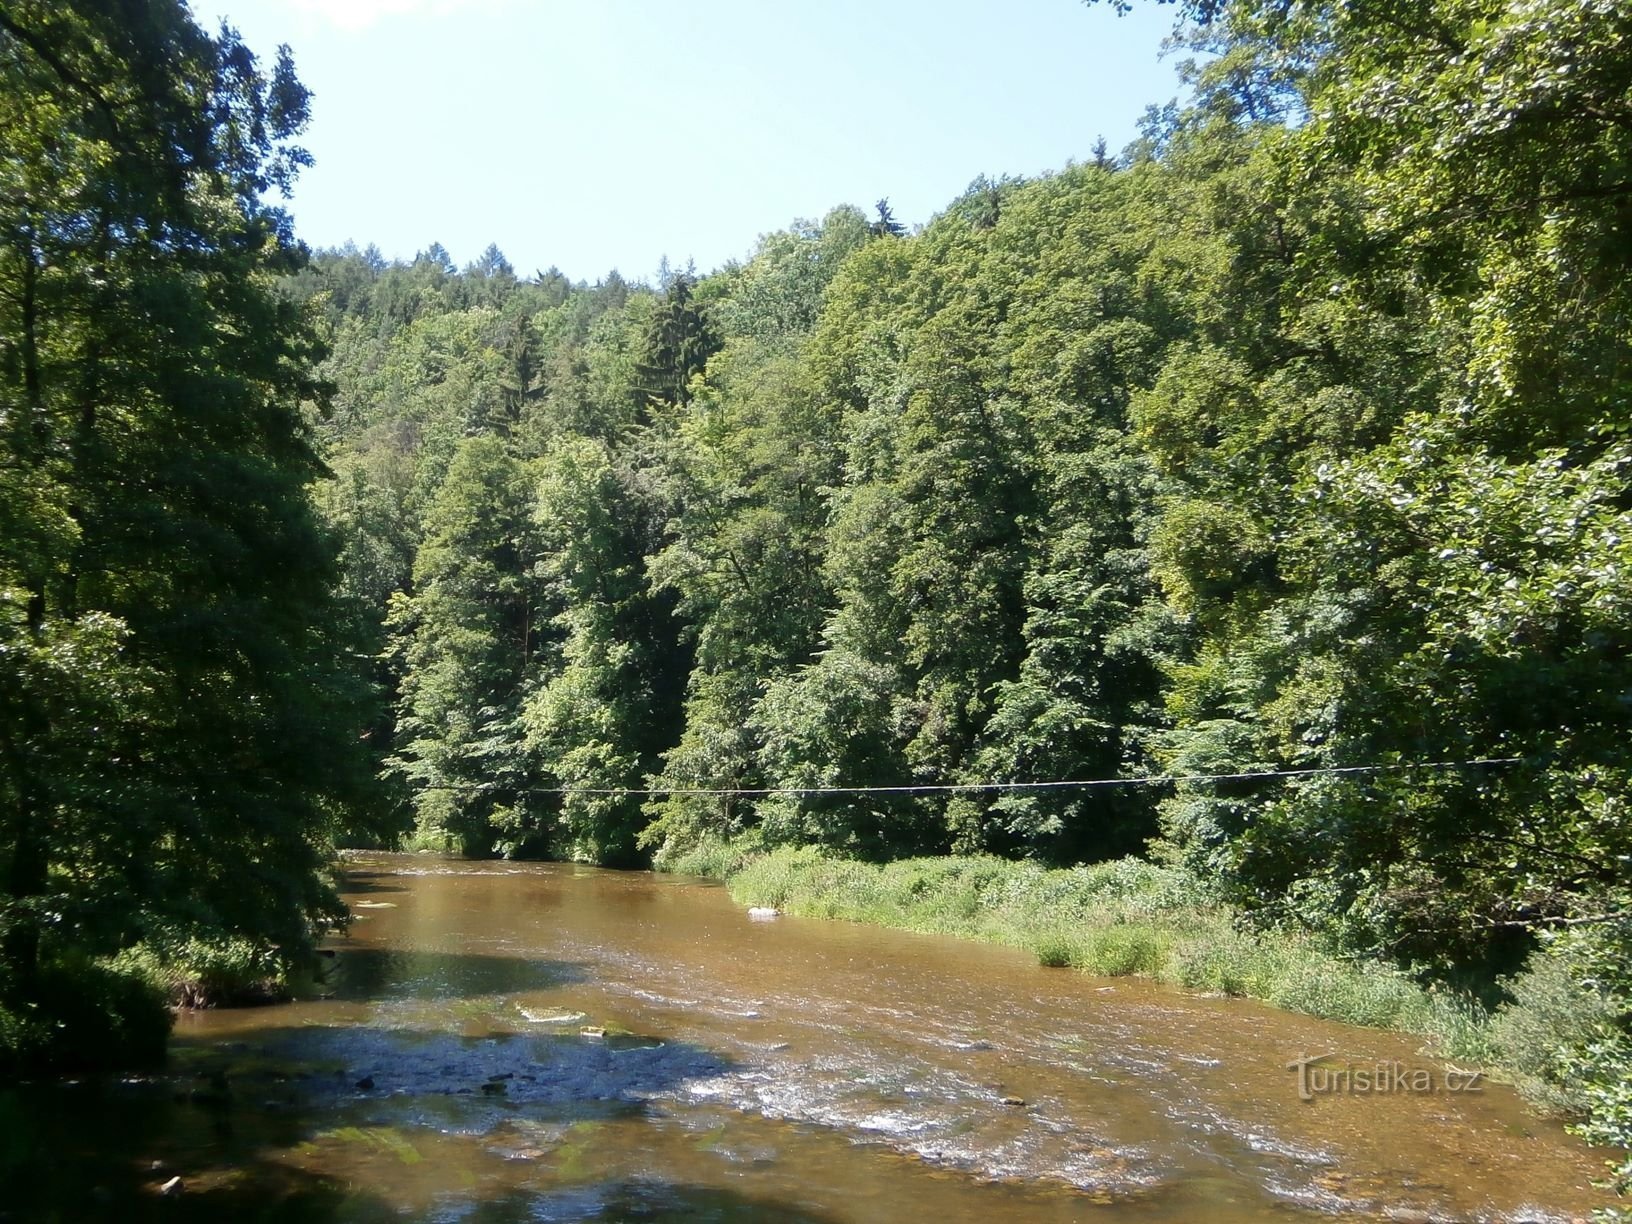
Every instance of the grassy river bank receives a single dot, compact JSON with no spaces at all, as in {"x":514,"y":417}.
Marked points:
{"x":1131,"y":917}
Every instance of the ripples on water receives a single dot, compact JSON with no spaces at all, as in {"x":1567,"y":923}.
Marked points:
{"x":499,"y":1042}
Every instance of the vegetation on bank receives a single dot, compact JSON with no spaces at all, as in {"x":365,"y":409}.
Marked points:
{"x":1133,"y":917}
{"x":1284,"y":450}
{"x":83,"y":1015}
{"x":116,"y":1011}
{"x":181,"y":712}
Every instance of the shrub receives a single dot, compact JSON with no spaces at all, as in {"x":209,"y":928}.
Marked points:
{"x":709,"y":856}
{"x":1125,"y":949}
{"x":1555,"y":1013}
{"x":82,"y":1015}
{"x":1056,"y":950}
{"x":197,"y":968}
{"x":1224,"y":961}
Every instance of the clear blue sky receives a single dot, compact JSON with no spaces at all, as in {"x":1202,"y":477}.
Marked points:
{"x":593,"y":134}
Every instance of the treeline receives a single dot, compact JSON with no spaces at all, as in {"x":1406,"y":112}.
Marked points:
{"x":1291,"y":439}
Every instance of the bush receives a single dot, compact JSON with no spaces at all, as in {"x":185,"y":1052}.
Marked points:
{"x":208,"y":968}
{"x":1056,"y":950}
{"x":1125,"y":949}
{"x":84,"y":1015}
{"x":1556,"y":1012}
{"x":1602,"y":1073}
{"x":709,"y":856}
{"x":1222,"y":960}
{"x":434,"y":841}
{"x":1369,"y":996}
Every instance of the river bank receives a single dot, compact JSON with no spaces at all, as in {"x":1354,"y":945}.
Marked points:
{"x":504,"y":1041}
{"x":1134,"y":918}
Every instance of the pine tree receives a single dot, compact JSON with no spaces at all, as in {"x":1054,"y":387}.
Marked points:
{"x":467,"y":635}
{"x":678,"y":344}
{"x":886,"y":226}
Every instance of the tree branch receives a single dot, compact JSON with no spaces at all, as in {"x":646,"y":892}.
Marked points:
{"x":67,"y":75}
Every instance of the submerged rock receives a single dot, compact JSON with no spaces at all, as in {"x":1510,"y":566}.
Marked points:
{"x":554,"y":1070}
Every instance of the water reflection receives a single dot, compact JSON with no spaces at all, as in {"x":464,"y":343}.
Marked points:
{"x":369,"y":974}
{"x":504,"y":1042}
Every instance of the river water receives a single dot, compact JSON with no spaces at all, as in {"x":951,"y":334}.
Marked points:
{"x":506,"y":1042}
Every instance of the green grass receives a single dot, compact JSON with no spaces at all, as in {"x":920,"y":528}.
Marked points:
{"x":709,"y":857}
{"x":1131,"y":917}
{"x":430,"y":841}
{"x":207,"y":969}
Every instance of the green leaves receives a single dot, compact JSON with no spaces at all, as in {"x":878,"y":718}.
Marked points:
{"x":471,"y":629}
{"x":179,"y":726}
{"x":609,"y":700}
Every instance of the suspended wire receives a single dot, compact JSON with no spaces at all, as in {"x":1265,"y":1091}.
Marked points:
{"x":977,"y":787}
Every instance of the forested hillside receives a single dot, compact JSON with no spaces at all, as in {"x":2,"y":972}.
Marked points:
{"x":1260,"y":447}
{"x":1289,"y":442}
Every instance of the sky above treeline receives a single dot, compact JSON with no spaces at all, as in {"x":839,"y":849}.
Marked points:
{"x":598,"y":134}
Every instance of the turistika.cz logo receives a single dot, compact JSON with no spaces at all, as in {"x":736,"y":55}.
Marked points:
{"x":1376,"y":1079}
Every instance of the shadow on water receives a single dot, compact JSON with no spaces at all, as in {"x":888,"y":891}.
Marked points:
{"x":371,"y":882}
{"x":87,"y":1152}
{"x":273,"y":1128}
{"x":643,"y":1200}
{"x":307,"y":1068}
{"x":366,"y":974}
{"x":103,"y":1148}
{"x":276,"y":1194}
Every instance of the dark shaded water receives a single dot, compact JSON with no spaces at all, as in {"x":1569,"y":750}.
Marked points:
{"x":500,"y":1042}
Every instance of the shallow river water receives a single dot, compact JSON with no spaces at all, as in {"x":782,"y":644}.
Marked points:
{"x":504,"y":1042}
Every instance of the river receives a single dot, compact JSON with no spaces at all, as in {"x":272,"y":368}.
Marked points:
{"x":509,"y":1042}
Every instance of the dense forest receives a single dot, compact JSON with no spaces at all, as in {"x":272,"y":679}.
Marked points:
{"x":1289,"y":442}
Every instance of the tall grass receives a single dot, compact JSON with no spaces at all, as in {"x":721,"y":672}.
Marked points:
{"x":1134,"y":917}
{"x":208,"y":969}
{"x":712,"y":857}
